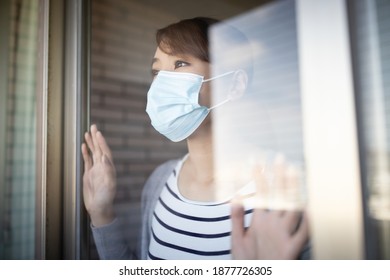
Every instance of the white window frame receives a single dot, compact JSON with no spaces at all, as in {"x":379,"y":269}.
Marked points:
{"x":330,"y":130}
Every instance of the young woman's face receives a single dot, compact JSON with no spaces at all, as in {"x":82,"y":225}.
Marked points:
{"x":182,"y":63}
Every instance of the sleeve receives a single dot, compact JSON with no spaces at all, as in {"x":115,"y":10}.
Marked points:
{"x":111,"y":242}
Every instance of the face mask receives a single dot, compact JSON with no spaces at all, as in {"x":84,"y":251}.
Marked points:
{"x":173,"y":105}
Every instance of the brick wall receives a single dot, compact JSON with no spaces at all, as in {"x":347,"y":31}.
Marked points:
{"x":122,"y":49}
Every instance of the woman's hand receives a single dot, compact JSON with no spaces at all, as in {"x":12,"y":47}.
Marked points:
{"x":272,"y":234}
{"x":99,"y":180}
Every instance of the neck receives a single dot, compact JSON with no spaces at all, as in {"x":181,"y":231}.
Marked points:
{"x":200,"y":159}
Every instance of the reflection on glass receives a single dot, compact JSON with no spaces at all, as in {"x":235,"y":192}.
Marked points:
{"x":262,"y":129}
{"x":372,"y":44}
{"x":17,"y":189}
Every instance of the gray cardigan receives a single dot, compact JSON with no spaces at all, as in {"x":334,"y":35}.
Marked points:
{"x":110,"y":240}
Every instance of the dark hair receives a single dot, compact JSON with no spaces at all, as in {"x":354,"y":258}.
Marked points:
{"x":191,"y":36}
{"x":188,"y":36}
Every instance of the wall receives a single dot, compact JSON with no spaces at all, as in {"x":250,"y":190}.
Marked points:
{"x":122,"y":49}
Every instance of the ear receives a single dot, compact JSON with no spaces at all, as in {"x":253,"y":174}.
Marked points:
{"x":239,"y":85}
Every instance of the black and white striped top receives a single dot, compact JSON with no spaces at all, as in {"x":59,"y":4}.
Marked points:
{"x":185,"y":229}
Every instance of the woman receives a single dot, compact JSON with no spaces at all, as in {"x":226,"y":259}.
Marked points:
{"x":181,"y":216}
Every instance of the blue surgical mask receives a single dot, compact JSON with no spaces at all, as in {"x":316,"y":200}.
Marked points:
{"x":173,"y":105}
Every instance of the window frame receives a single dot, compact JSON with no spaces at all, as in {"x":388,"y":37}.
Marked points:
{"x":336,"y":200}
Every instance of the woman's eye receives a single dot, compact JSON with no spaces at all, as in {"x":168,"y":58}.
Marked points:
{"x":179,"y":64}
{"x":154,"y":72}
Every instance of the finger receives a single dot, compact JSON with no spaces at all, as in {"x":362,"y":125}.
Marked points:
{"x":238,"y":229}
{"x":88,"y":140}
{"x":292,"y":178}
{"x":103,"y":146}
{"x":86,"y":157}
{"x":262,"y":190}
{"x":291,"y":221}
{"x":301,"y":236}
{"x":258,"y":175}
{"x":279,"y":172}
{"x":107,"y":161}
{"x":97,"y":152}
{"x":294,"y":187}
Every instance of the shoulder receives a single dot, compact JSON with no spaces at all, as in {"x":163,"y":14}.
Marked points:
{"x":163,"y":169}
{"x":159,"y":176}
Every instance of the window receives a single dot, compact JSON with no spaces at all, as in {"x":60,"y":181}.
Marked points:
{"x":370,"y":23}
{"x":264,"y":125}
{"x":18,"y":129}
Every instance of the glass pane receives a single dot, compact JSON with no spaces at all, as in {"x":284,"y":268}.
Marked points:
{"x":18,"y":161}
{"x":263,"y":127}
{"x":371,"y":32}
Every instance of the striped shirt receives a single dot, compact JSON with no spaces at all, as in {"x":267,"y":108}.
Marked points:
{"x":185,"y":229}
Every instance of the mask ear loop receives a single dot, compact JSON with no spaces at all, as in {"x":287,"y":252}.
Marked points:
{"x":219,"y":76}
{"x":219,"y":104}
{"x":216,"y":77}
